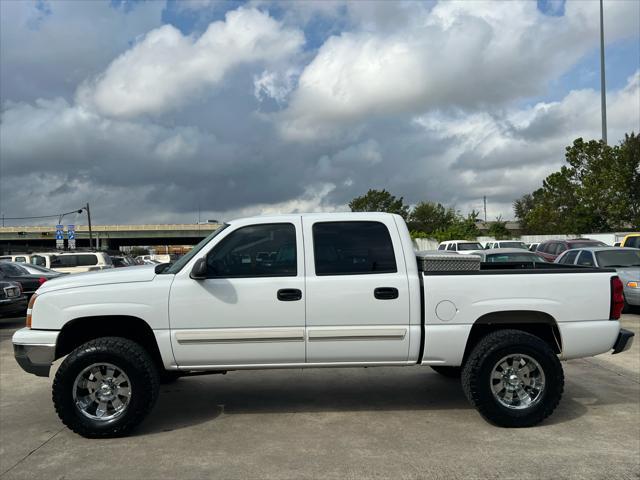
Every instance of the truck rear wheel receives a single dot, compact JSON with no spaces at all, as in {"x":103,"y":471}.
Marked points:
{"x":513,"y":378}
{"x":105,"y":387}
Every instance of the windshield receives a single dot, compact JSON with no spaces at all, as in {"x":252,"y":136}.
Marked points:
{"x":176,"y":267}
{"x":469,"y":246}
{"x":513,"y":245}
{"x":618,"y":258}
{"x":514,"y":257}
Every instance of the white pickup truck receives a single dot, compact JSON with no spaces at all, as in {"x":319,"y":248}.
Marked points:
{"x":317,"y":290}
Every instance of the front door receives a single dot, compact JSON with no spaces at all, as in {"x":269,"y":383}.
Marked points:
{"x":250,"y":309}
{"x":357,"y":291}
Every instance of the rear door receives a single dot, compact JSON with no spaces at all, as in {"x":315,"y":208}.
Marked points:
{"x":357,"y":290}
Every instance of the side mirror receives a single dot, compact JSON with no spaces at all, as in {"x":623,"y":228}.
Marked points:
{"x":199,"y":270}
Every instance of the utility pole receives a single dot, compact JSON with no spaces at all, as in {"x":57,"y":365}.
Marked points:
{"x":89,"y":221}
{"x":484,"y":199}
{"x":603,"y":91}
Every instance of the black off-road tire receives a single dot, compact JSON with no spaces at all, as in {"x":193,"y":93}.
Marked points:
{"x":448,"y":371}
{"x":128,"y":356}
{"x":476,"y":375}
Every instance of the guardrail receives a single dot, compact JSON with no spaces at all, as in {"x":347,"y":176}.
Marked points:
{"x":115,"y":228}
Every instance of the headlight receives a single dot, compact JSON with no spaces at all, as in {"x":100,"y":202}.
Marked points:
{"x":633,"y":284}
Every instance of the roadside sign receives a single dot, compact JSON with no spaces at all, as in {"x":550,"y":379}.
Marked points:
{"x":60,"y":237}
{"x":71,"y":235}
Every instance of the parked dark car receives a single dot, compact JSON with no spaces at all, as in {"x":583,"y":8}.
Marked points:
{"x":123,"y":261}
{"x":13,"y":302}
{"x":13,"y":272}
{"x":552,"y":249}
{"x":42,"y":271}
{"x":497,"y":255}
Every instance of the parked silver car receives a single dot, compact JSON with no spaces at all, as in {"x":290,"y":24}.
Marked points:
{"x":509,"y":255}
{"x":626,"y":262}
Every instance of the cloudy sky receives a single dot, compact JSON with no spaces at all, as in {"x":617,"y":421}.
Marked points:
{"x":153,"y":110}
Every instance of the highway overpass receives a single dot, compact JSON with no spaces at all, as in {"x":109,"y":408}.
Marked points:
{"x":31,"y":238}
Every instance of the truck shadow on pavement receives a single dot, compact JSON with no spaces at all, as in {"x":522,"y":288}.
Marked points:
{"x":196,"y":400}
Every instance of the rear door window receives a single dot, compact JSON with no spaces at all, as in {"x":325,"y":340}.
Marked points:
{"x":64,"y":261}
{"x":569,"y":257}
{"x":12,"y":270}
{"x":86,"y":260}
{"x":585,"y":259}
{"x":352,"y":248}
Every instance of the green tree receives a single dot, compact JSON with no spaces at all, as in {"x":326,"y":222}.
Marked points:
{"x":428,"y":217}
{"x":379,"y":201}
{"x":498,"y":229}
{"x":598,"y":190}
{"x":464,"y":228}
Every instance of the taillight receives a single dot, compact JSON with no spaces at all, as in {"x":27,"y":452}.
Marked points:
{"x":41,"y":280}
{"x":32,"y":301}
{"x":617,"y":298}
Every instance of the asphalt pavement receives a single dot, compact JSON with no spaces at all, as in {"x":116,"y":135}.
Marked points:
{"x":351,"y":423}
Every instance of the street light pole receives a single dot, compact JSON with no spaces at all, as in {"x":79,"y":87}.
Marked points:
{"x":89,"y":221}
{"x":603,"y":92}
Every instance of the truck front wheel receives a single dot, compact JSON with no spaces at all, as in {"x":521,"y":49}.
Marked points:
{"x":513,"y":378}
{"x":105,"y":387}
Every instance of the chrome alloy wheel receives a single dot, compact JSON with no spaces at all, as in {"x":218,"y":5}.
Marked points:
{"x":517,"y":381}
{"x":102,"y":392}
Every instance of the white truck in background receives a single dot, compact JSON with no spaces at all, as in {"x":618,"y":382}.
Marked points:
{"x":316,"y":290}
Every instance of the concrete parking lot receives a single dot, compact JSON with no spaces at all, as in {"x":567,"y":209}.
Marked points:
{"x":400,"y":423}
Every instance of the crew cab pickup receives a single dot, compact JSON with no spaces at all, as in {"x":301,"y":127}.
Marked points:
{"x":316,"y":290}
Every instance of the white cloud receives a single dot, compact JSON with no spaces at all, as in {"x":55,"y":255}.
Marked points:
{"x":49,"y":50}
{"x":274,"y":85}
{"x":426,"y":102}
{"x":166,"y":68}
{"x":466,"y":54}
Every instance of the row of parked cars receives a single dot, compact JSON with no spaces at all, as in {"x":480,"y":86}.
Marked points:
{"x":22,"y":274}
{"x":579,"y":252}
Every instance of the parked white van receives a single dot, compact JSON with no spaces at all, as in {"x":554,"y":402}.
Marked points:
{"x":460,"y":246}
{"x":20,"y":258}
{"x":76,"y":262}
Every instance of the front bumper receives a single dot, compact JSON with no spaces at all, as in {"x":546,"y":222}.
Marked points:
{"x":35,"y":350}
{"x":624,"y":341}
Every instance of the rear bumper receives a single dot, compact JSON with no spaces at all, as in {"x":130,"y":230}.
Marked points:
{"x":35,"y":350}
{"x":623,"y":342}
{"x":13,"y":307}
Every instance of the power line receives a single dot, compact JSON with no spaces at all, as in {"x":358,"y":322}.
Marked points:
{"x":57,"y":215}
